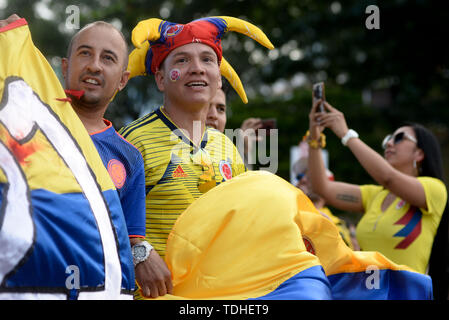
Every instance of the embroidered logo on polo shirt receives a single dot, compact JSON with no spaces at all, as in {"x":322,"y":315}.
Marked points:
{"x":179,"y":172}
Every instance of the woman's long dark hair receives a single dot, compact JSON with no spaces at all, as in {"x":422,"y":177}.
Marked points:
{"x":432,"y":166}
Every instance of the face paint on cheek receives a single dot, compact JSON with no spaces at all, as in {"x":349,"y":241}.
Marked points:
{"x":175,"y":74}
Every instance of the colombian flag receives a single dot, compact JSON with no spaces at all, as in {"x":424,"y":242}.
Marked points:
{"x":62,"y":230}
{"x":258,"y":237}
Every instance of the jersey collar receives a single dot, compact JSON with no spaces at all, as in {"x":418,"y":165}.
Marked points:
{"x":179,"y":133}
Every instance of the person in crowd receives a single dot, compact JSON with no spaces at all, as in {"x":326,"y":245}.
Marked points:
{"x":183,"y":157}
{"x":217,"y":118}
{"x":402,"y":214}
{"x":94,"y":71}
{"x":216,"y":115}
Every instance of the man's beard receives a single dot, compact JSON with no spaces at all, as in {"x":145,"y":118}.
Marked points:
{"x":89,"y":100}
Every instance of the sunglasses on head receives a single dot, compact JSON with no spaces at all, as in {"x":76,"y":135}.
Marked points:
{"x":398,"y":137}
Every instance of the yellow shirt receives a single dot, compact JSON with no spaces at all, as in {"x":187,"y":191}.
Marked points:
{"x":403,"y":233}
{"x":174,"y":175}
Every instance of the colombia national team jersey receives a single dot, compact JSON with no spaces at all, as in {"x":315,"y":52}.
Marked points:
{"x":176,"y":171}
{"x":403,"y":233}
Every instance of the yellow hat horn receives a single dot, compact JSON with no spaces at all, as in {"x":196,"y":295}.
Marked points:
{"x":229,"y":73}
{"x":146,"y":30}
{"x":248,"y":29}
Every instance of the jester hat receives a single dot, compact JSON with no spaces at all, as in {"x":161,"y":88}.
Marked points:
{"x":154,"y":39}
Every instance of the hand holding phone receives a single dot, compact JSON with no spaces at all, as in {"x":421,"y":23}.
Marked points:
{"x":317,"y":94}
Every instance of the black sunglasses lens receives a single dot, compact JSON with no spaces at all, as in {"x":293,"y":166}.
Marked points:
{"x":398,"y":137}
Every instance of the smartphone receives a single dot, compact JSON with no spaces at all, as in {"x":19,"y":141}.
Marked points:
{"x":268,"y":124}
{"x":318,"y":93}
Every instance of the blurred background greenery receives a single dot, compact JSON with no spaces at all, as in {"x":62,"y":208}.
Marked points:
{"x":378,"y":78}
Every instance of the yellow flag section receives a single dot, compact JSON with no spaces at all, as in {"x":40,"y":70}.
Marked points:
{"x":258,"y":237}
{"x":21,"y":59}
{"x":59,"y":208}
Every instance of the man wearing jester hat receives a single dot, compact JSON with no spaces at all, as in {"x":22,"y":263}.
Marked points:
{"x":183,"y":158}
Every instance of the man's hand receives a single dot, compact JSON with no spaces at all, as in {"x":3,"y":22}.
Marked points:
{"x":10,"y":19}
{"x":153,"y":276}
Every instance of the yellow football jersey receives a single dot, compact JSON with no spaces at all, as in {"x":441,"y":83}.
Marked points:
{"x":176,"y":171}
{"x":403,"y":233}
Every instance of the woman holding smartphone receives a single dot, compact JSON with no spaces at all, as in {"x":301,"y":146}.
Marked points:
{"x":402,"y":214}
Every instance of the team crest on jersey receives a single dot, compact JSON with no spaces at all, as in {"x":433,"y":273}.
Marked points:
{"x":173,"y":30}
{"x":117,"y":171}
{"x":179,"y":172}
{"x":225,"y":169}
{"x":400,"y":204}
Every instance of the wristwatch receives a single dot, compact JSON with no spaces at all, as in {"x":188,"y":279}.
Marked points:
{"x":140,"y":252}
{"x":349,"y":135}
